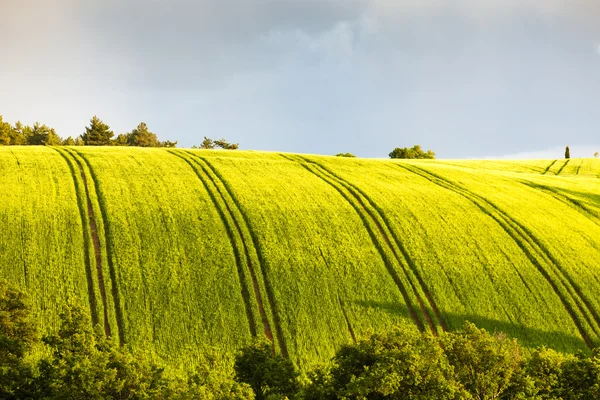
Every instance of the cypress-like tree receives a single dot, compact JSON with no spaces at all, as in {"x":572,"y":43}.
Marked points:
{"x":567,"y":152}
{"x":97,"y":134}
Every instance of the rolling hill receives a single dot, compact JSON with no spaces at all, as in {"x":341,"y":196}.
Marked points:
{"x":181,"y":250}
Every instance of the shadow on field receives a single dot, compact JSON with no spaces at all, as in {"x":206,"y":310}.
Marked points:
{"x":527,"y":337}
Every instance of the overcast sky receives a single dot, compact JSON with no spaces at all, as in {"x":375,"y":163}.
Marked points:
{"x":466,"y":78}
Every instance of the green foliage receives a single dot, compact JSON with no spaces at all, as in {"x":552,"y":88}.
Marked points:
{"x":488,"y":366}
{"x":398,"y":365}
{"x":415,"y":152}
{"x":350,"y":155}
{"x":581,"y":377}
{"x":17,"y":336}
{"x":567,"y":152}
{"x":97,"y":134}
{"x":208,"y":143}
{"x":6,"y":132}
{"x":42,"y":135}
{"x":545,"y":368}
{"x":86,"y":365}
{"x":269,"y":375}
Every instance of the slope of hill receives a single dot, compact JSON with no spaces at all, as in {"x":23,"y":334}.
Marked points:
{"x":179,"y":250}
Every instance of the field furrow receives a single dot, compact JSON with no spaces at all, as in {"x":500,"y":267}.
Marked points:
{"x":93,"y":196}
{"x":382,"y":238}
{"x":583,"y":314}
{"x":240,"y":248}
{"x":90,"y":237}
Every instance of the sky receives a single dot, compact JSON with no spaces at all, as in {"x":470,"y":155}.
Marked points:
{"x":465,"y":78}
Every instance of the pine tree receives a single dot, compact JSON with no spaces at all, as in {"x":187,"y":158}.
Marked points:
{"x":567,"y":152}
{"x":97,"y":134}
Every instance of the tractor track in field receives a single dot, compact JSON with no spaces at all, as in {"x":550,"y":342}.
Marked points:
{"x":350,"y":329}
{"x":382,"y":236}
{"x":342,"y":305}
{"x":548,"y":167}
{"x":577,"y":205}
{"x":563,"y":167}
{"x":249,"y":245}
{"x":563,"y":285}
{"x":89,"y":235}
{"x":579,"y":167}
{"x":236,"y":251}
{"x":81,"y":161}
{"x":22,"y":225}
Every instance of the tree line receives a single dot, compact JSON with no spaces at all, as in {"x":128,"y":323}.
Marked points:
{"x":97,"y":133}
{"x":78,"y":362}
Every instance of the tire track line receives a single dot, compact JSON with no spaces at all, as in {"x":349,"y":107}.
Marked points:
{"x":581,"y":311}
{"x":381,"y":240}
{"x":252,"y":252}
{"x":88,"y":232}
{"x":22,"y":224}
{"x":342,"y":304}
{"x":212,"y":190}
{"x":83,"y":164}
{"x":548,"y":167}
{"x":404,"y":259}
{"x":577,"y":205}
{"x":563,"y":167}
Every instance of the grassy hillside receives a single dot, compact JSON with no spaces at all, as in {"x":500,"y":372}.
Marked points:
{"x":180,"y":250}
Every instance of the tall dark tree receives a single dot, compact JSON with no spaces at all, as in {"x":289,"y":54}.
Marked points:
{"x":567,"y":152}
{"x":98,"y":133}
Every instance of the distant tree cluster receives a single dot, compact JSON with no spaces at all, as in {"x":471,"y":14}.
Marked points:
{"x":208,"y":143}
{"x":97,"y":133}
{"x":415,"y":152}
{"x":350,"y":155}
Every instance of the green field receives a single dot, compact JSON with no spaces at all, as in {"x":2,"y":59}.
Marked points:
{"x":182,"y":250}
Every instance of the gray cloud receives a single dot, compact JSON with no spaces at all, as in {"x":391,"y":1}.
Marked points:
{"x":468,"y":77}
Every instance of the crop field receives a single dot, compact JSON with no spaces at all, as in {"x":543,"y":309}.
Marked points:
{"x":182,"y":251}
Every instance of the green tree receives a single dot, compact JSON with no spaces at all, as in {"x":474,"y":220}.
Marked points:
{"x":544,"y":368}
{"x":208,"y":144}
{"x":581,"y":377}
{"x":567,"y":152}
{"x":267,"y":374}
{"x":415,"y":152}
{"x":6,"y":133}
{"x":97,"y":134}
{"x":596,"y":155}
{"x":142,"y":137}
{"x":86,"y":365}
{"x":40,"y":135}
{"x":223,"y":144}
{"x":402,"y":364}
{"x":121,"y":140}
{"x":488,"y":366}
{"x":19,"y":134}
{"x":17,"y":335}
{"x":68,"y":142}
{"x":345,"y":155}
